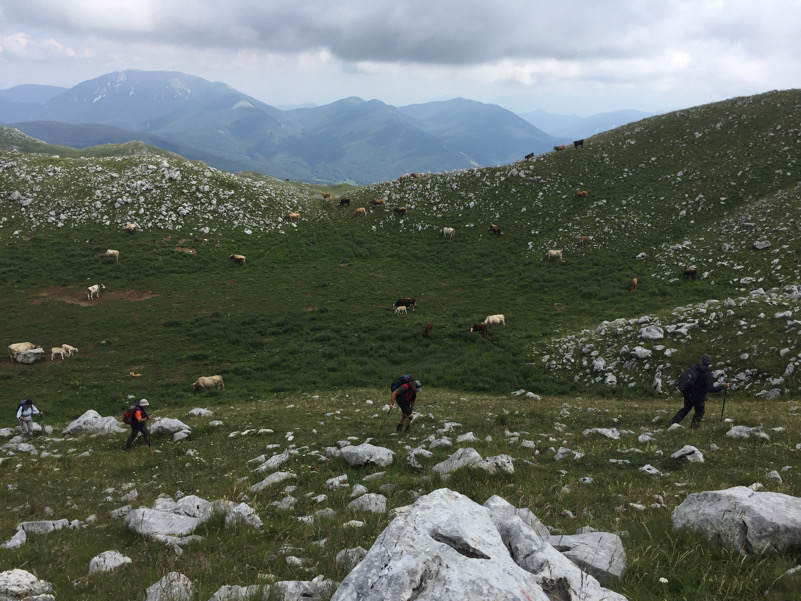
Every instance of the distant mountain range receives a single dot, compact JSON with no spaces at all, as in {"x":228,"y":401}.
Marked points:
{"x":351,"y":140}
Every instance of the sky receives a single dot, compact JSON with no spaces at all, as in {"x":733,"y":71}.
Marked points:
{"x":578,"y":57}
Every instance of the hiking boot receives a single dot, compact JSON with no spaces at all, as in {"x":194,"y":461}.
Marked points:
{"x":398,"y":427}
{"x":407,"y":428}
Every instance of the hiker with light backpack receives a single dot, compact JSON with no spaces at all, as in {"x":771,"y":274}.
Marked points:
{"x":136,"y":416}
{"x":25,"y":412}
{"x":404,"y":392}
{"x":694,"y":383}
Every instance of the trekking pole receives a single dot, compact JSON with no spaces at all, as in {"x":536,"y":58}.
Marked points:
{"x":724,"y":406}
{"x":384,"y":422}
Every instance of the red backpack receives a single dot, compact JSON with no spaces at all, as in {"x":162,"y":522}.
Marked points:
{"x":128,"y":416}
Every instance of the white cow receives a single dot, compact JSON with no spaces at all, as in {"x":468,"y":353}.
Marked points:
{"x":57,"y":350}
{"x":19,"y":347}
{"x":499,"y":318}
{"x":400,"y":309}
{"x":69,"y":349}
{"x":555,"y":254}
{"x":94,"y":291}
{"x":131,"y":227}
{"x":207,"y":382}
{"x":448,"y":232}
{"x":113,"y":254}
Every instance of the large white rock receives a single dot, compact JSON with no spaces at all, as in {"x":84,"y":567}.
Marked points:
{"x":31,"y":356}
{"x":372,"y":502}
{"x":93,"y":424}
{"x":461,"y":458}
{"x":273,"y":463}
{"x":168,"y":517}
{"x":107,"y":561}
{"x":448,"y":547}
{"x":652,"y":333}
{"x":274,"y":478}
{"x":22,"y":585}
{"x":598,"y":553}
{"x":690,"y":453}
{"x":173,"y":587}
{"x":168,"y":426}
{"x":743,"y":520}
{"x":364,"y":454}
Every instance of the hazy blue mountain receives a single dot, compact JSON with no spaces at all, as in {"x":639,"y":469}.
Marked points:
{"x":354,"y":140}
{"x":576,"y":128}
{"x":21,"y":103}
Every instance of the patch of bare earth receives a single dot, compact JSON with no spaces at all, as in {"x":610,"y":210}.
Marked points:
{"x":183,"y":249}
{"x":78,"y":297}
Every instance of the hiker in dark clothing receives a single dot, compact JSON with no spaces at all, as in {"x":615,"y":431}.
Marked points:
{"x":139,"y":424}
{"x":695,"y":395}
{"x":405,"y":395}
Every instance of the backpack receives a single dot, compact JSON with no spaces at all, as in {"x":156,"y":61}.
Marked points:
{"x":128,"y":416}
{"x":688,"y":379}
{"x":21,"y":404}
{"x":398,"y":382}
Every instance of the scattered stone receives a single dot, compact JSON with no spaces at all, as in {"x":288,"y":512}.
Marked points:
{"x":690,"y":453}
{"x":107,"y":561}
{"x":364,"y":454}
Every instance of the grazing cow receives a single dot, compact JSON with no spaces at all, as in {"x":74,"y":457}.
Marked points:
{"x":69,"y":349}
{"x":94,"y":291}
{"x":404,"y":176}
{"x":112,"y":254}
{"x":400,"y":210}
{"x":344,"y":202}
{"x":378,"y":202}
{"x":495,"y":319}
{"x":400,"y":309}
{"x":326,"y":195}
{"x":208,"y":382}
{"x":480,"y":327}
{"x":427,"y":331}
{"x":496,"y":230}
{"x":530,"y":155}
{"x":131,"y":227}
{"x":555,"y":254}
{"x":578,"y":143}
{"x":19,"y":347}
{"x":448,"y":232}
{"x":581,"y":194}
{"x":633,"y":285}
{"x":240,"y":259}
{"x":405,"y":302}
{"x":292,"y":217}
{"x":57,"y":350}
{"x":558,"y":148}
{"x":360,"y":211}
{"x":584,"y":239}
{"x":690,"y":272}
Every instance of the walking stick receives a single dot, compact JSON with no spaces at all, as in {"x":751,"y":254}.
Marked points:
{"x":724,"y":406}
{"x":384,"y":422}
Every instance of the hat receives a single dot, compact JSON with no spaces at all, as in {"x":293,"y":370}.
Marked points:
{"x":706,"y":359}
{"x":143,"y":403}
{"x":28,"y":402}
{"x":417,"y":384}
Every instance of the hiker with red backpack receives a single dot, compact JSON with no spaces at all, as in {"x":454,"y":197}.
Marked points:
{"x":695,"y":383}
{"x":137,"y":417}
{"x":404,"y":391}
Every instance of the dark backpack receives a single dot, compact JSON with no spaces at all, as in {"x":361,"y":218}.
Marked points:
{"x":21,"y":404}
{"x":688,"y":379}
{"x":400,"y":382}
{"x":130,"y":412}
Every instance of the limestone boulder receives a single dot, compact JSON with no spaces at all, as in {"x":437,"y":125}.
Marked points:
{"x":461,"y":458}
{"x":743,"y":520}
{"x":600,"y":554}
{"x":92,"y":423}
{"x":107,"y":561}
{"x":173,"y":587}
{"x":31,"y":356}
{"x":20,"y":585}
{"x":168,"y":426}
{"x":364,"y":454}
{"x":372,"y":502}
{"x":169,"y":518}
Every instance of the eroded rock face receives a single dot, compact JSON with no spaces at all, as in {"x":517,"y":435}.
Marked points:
{"x":449,"y":547}
{"x":743,"y":520}
{"x":92,"y":424}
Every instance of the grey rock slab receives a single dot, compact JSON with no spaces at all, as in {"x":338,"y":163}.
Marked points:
{"x":168,"y":426}
{"x":600,"y":554}
{"x":274,"y":478}
{"x":107,"y":561}
{"x":461,"y":458}
{"x":689,"y":453}
{"x":364,"y":454}
{"x":743,"y":520}
{"x":93,"y":424}
{"x":23,"y":586}
{"x":372,"y":502}
{"x":173,"y":587}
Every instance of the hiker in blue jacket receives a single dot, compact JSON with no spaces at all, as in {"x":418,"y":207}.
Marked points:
{"x":695,"y":395}
{"x":405,"y":395}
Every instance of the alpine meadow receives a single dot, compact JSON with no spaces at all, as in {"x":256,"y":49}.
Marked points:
{"x":304,"y":334}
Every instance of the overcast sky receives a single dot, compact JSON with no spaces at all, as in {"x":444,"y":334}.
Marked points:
{"x":564,"y":56}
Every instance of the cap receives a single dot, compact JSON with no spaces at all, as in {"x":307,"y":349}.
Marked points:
{"x":706,"y":359}
{"x":28,"y":402}
{"x":143,"y":403}
{"x":417,"y":384}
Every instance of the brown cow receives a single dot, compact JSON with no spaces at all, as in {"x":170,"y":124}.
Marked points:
{"x":633,"y":285}
{"x":480,"y":327}
{"x":344,"y":201}
{"x":360,"y":211}
{"x":581,"y":194}
{"x":530,"y":155}
{"x":326,"y":195}
{"x":292,"y":217}
{"x":496,"y":230}
{"x":400,"y":210}
{"x":404,"y":176}
{"x":240,"y":259}
{"x":584,"y":239}
{"x":558,"y":148}
{"x":427,"y":331}
{"x":690,"y":272}
{"x":378,"y":202}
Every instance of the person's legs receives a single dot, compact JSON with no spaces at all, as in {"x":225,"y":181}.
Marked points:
{"x":682,"y":413}
{"x":27,"y":428}
{"x":700,"y":409}
{"x":131,"y":438}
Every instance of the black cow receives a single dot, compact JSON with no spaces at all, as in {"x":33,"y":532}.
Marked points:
{"x":690,"y":273}
{"x":344,"y":201}
{"x":496,"y":230}
{"x":530,"y":155}
{"x":405,"y":302}
{"x":578,"y":143}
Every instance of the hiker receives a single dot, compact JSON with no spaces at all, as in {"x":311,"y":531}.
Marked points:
{"x":695,"y":393}
{"x":139,"y":424}
{"x":405,"y":394}
{"x":25,"y":412}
